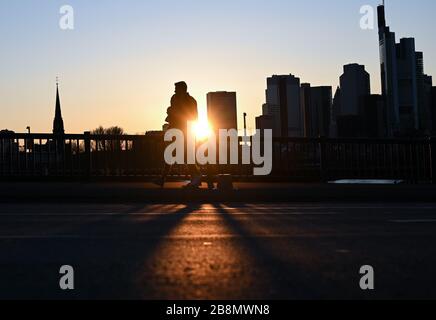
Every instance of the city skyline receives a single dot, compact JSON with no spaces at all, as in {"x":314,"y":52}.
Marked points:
{"x":87,"y":86}
{"x":217,"y":158}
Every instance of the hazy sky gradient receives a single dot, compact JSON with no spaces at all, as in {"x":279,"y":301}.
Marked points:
{"x":119,"y":65}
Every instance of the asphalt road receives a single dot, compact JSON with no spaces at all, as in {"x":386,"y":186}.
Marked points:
{"x":218,"y":251}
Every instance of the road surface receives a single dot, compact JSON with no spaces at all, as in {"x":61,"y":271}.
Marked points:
{"x":218,"y":251}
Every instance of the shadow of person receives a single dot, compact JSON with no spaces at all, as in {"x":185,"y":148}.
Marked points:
{"x":110,"y":253}
{"x":276,"y":275}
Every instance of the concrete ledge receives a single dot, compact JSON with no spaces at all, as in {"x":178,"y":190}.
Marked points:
{"x":246,"y":192}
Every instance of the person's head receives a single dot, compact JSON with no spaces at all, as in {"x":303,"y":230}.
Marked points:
{"x":181,"y":87}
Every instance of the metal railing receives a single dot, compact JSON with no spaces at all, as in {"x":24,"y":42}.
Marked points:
{"x":294,"y":159}
{"x":410,"y":160}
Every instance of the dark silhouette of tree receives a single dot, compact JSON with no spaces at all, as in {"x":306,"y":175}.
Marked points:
{"x":107,"y":140}
{"x":115,"y":131}
{"x":99,"y":131}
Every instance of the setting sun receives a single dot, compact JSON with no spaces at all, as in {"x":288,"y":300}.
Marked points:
{"x":202,"y":129}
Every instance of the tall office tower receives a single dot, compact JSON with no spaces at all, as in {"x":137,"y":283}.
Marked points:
{"x":407,"y":85}
{"x":349,"y":111}
{"x":424,"y":84}
{"x":355,"y":84}
{"x":306,"y":107}
{"x":404,"y":84}
{"x":321,"y":102}
{"x":264,"y":122}
{"x":426,"y":124}
{"x":433,"y":109}
{"x":389,"y":76}
{"x":335,"y":112}
{"x":283,"y":93}
{"x":316,"y":104}
{"x":222,"y":110}
{"x":273,"y":112}
{"x":374,"y":117}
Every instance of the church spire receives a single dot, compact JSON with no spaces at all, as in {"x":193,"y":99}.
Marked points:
{"x":58,"y":123}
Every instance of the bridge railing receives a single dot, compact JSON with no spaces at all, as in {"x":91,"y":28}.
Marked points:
{"x":296,"y":159}
{"x":325,"y":159}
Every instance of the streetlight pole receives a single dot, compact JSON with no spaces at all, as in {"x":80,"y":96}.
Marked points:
{"x":245,"y":124}
{"x":27,"y":142}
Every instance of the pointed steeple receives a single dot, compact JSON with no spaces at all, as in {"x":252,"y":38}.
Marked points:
{"x":58,"y":123}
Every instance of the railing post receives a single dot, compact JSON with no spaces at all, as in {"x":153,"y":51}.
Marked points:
{"x":87,"y":138}
{"x":323,"y":165}
{"x":432,"y":148}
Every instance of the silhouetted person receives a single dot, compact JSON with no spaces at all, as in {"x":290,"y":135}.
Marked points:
{"x":183,"y":110}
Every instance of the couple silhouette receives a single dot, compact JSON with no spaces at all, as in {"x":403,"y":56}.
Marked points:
{"x":183,"y":110}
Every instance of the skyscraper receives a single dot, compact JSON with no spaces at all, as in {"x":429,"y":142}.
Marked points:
{"x":306,"y":107}
{"x":273,"y":112}
{"x":433,"y":109}
{"x":58,"y":123}
{"x":349,"y":101}
{"x":374,"y":122}
{"x":336,"y":110}
{"x":316,"y":104}
{"x":389,"y":77}
{"x":405,"y":87}
{"x":424,"y":84}
{"x":283,"y":94}
{"x":222,"y":110}
{"x":265,"y":122}
{"x":355,"y":85}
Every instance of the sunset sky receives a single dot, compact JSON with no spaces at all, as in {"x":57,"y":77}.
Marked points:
{"x":119,"y":65}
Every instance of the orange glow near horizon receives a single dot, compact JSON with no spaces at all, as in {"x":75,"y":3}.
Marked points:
{"x":202,"y":129}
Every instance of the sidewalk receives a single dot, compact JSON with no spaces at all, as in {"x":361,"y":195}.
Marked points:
{"x":245,"y":192}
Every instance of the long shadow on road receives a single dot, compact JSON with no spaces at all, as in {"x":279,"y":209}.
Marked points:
{"x":106,"y":253}
{"x":275,"y":270}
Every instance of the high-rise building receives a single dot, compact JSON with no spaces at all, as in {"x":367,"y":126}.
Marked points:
{"x":58,"y":123}
{"x":374,"y":117}
{"x":355,"y":85}
{"x":222,"y":110}
{"x":316,"y":105}
{"x":264,"y":122}
{"x":348,"y":110}
{"x":336,"y":111}
{"x":273,"y":112}
{"x":433,"y":109}
{"x":405,"y":87}
{"x":283,"y":94}
{"x":306,"y":108}
{"x":427,"y":126}
{"x":389,"y":75}
{"x":424,"y":84}
{"x":370,"y":122}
